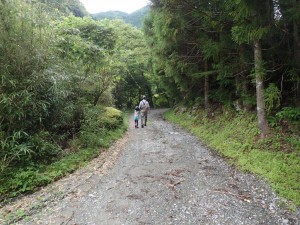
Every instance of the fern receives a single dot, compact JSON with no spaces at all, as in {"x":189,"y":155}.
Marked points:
{"x":272,"y":97}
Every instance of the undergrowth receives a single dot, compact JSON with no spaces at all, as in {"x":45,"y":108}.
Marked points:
{"x":100,"y":129}
{"x":235,"y":136}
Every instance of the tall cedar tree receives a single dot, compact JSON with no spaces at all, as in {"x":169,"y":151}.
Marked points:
{"x":210,"y":51}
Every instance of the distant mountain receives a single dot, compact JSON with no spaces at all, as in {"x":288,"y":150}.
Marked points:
{"x":111,"y":15}
{"x":135,"y":18}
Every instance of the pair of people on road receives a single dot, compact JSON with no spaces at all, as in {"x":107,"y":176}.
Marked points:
{"x":141,"y":111}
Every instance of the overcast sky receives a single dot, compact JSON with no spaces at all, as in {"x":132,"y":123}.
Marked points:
{"x":128,"y":6}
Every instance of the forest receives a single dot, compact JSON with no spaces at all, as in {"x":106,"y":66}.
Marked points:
{"x":242,"y":54}
{"x":67,"y":80}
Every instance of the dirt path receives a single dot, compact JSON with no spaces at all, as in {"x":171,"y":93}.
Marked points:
{"x":156,"y":175}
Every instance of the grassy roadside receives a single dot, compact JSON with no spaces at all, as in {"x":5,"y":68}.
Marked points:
{"x":97,"y":134}
{"x":235,"y":137}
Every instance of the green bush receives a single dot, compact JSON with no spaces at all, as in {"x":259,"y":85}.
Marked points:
{"x":99,"y":121}
{"x":93,"y":138}
{"x":272,"y":97}
{"x":44,"y":147}
{"x":160,"y":100}
{"x":22,"y":148}
{"x":289,"y":113}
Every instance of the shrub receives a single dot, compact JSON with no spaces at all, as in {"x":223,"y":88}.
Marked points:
{"x":24,"y":179}
{"x":98,"y":121}
{"x":289,"y":113}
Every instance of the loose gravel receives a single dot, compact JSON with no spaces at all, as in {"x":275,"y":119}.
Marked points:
{"x":160,"y":175}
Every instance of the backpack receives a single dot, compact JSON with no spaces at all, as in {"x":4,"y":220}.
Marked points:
{"x":145,"y":105}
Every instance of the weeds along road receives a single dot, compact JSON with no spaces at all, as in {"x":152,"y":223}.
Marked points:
{"x":159,"y":174}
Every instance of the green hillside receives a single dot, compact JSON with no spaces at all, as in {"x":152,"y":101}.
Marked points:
{"x":135,"y":18}
{"x":110,"y":15}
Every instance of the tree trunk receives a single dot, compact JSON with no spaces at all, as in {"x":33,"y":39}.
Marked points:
{"x":206,"y":87}
{"x":96,"y":99}
{"x":259,"y":76}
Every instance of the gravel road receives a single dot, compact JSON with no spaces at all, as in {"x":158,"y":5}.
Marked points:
{"x":157,"y":175}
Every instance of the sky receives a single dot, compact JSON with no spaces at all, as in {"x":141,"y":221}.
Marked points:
{"x":128,"y":6}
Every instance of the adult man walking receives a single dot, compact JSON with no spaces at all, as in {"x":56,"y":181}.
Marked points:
{"x":144,"y":107}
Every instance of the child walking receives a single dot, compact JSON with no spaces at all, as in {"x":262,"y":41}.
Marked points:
{"x":136,"y":116}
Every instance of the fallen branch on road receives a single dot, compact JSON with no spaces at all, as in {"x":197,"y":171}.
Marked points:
{"x":245,"y":198}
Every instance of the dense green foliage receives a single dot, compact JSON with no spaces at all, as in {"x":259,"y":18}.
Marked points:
{"x":58,"y":73}
{"x":235,"y":54}
{"x":275,"y":158}
{"x":131,"y":63}
{"x":66,"y":7}
{"x":27,"y":89}
{"x":39,"y":105}
{"x":135,"y":19}
{"x":100,"y":128}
